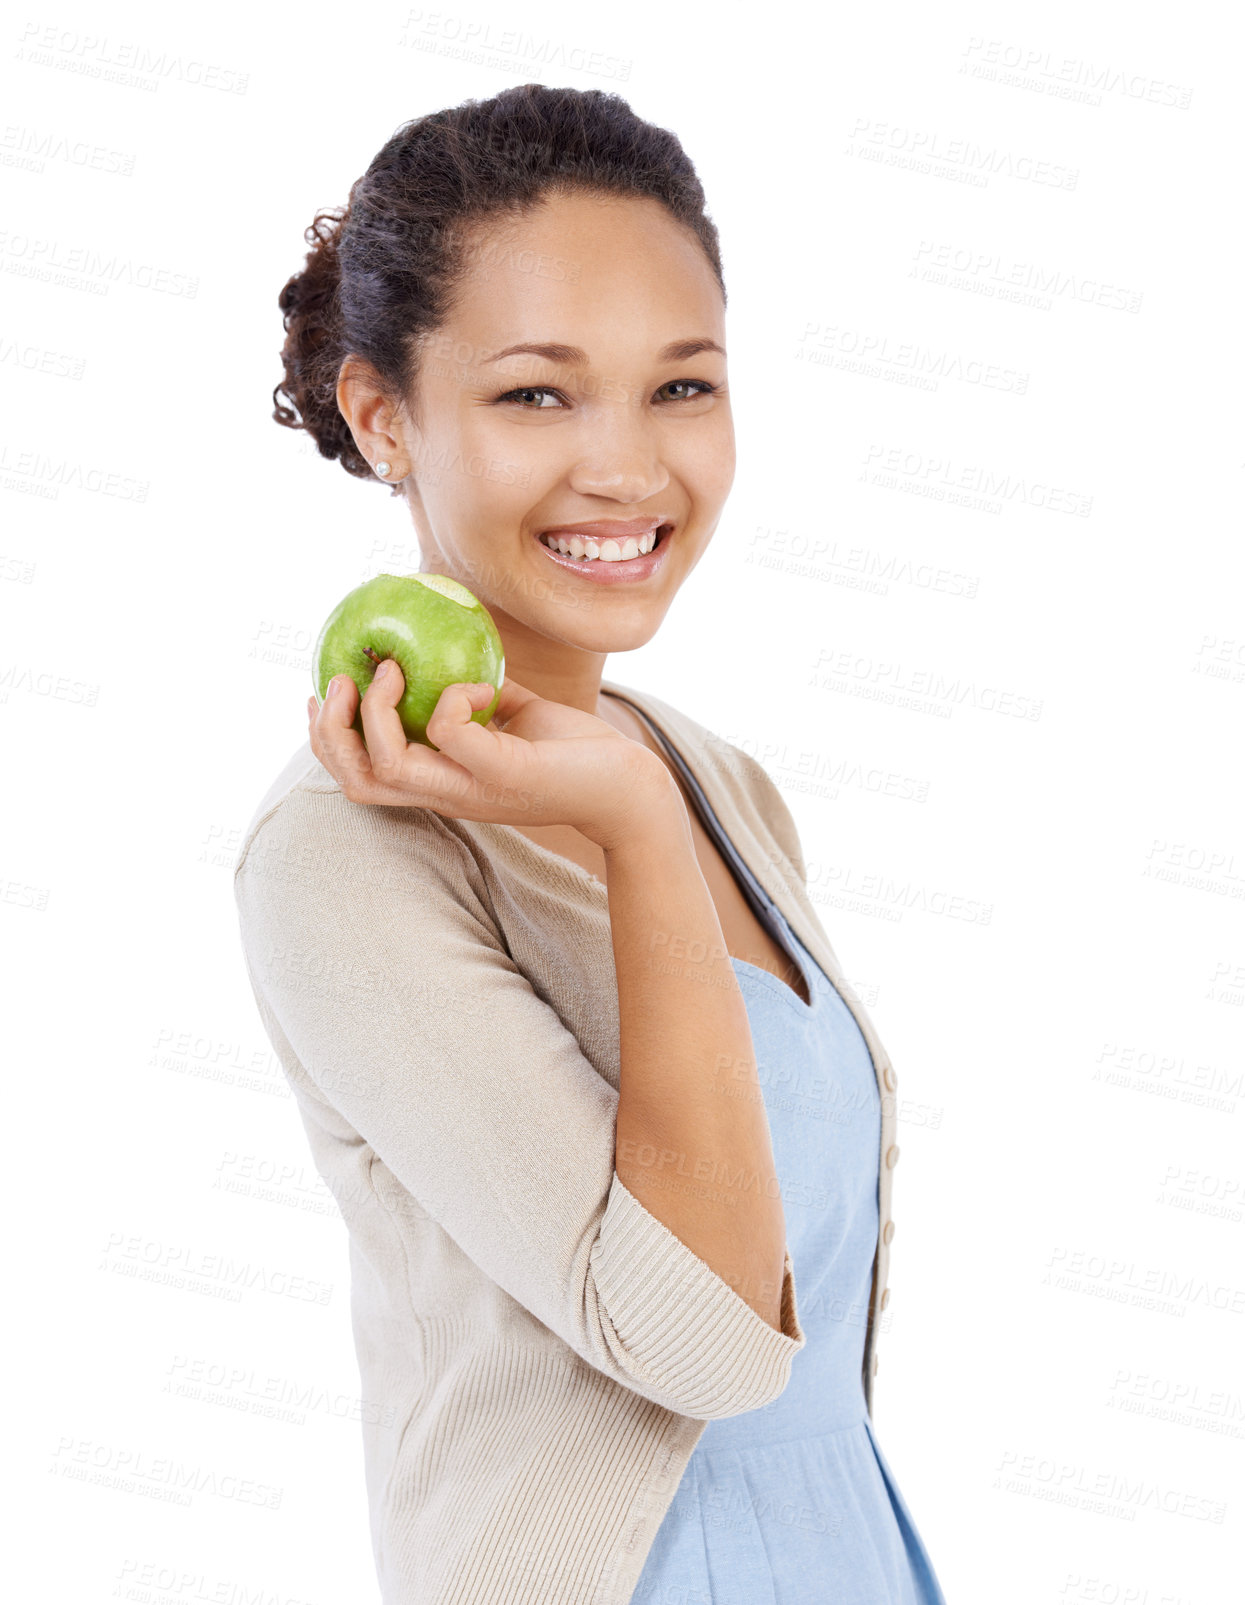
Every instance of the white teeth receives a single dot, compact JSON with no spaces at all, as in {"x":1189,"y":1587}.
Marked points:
{"x":588,"y":549}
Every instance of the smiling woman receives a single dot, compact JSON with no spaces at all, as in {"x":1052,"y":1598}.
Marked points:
{"x":620,"y":430}
{"x":530,"y":985}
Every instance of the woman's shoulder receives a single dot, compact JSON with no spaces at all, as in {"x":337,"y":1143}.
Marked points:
{"x":304,"y":822}
{"x":300,"y":770}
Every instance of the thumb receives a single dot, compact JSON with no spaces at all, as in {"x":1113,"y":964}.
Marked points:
{"x":452,"y":727}
{"x":514,"y":697}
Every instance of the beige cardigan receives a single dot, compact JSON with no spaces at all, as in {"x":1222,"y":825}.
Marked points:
{"x":538,"y":1353}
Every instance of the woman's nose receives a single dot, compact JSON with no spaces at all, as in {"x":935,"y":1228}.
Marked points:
{"x":620,"y":457}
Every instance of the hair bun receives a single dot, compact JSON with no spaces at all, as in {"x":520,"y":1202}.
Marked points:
{"x":310,"y":303}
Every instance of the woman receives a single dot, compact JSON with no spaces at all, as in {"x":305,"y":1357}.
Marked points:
{"x":570,"y":1045}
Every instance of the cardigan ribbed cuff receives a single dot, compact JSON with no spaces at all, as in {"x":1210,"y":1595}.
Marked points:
{"x":685,"y":1328}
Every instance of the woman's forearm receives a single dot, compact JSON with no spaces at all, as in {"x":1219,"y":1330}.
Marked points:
{"x":692,"y":1140}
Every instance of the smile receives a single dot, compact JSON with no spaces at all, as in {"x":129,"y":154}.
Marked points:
{"x":609,"y":559}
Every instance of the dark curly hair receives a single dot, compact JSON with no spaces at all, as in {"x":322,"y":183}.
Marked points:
{"x":382,"y":270}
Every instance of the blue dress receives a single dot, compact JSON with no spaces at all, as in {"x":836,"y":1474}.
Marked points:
{"x":794,"y":1503}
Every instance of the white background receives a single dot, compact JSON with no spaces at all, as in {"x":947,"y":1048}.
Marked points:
{"x":1044,"y":526}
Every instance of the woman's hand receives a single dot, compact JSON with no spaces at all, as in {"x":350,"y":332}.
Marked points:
{"x":546,"y":764}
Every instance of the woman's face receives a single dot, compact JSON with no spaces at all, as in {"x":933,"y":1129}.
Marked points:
{"x":624,"y":427}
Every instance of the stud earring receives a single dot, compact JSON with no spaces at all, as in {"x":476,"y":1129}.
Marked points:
{"x":382,"y":469}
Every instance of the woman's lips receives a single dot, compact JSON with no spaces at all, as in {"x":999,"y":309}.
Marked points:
{"x":600,"y":570}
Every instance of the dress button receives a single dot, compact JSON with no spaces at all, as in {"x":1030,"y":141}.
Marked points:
{"x":888,"y":1075}
{"x":892,"y":1157}
{"x":888,"y":1231}
{"x":886,"y":1298}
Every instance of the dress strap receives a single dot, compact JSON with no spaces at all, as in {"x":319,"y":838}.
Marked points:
{"x":762,"y":904}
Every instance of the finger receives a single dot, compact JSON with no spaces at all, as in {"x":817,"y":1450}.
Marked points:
{"x":335,"y":743}
{"x":382,"y":728}
{"x":513,"y":697}
{"x":480,"y":752}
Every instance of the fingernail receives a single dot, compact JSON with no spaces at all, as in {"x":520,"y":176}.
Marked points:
{"x":335,"y":685}
{"x":382,"y":674}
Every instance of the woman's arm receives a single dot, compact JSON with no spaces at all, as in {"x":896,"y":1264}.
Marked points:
{"x":693,"y":1140}
{"x":389,"y":992}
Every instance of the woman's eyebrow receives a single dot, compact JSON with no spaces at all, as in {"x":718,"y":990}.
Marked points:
{"x":568,"y":356}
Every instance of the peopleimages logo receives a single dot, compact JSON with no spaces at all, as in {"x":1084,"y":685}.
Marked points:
{"x":922,"y":690}
{"x":1106,"y":1492}
{"x":127,"y":62}
{"x":960,"y":159}
{"x":894,"y":464}
{"x":877,"y":355}
{"x":990,"y":273}
{"x":1066,"y":77}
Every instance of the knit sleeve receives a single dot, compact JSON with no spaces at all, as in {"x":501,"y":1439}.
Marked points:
{"x":375,"y":955}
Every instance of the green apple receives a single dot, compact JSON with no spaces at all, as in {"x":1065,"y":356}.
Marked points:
{"x":433,"y":628}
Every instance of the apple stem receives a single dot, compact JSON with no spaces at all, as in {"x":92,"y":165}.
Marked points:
{"x":377,"y":660}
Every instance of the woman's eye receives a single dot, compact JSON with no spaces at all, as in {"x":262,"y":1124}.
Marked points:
{"x":698,"y":387}
{"x":531,"y":390}
{"x":692,"y":387}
